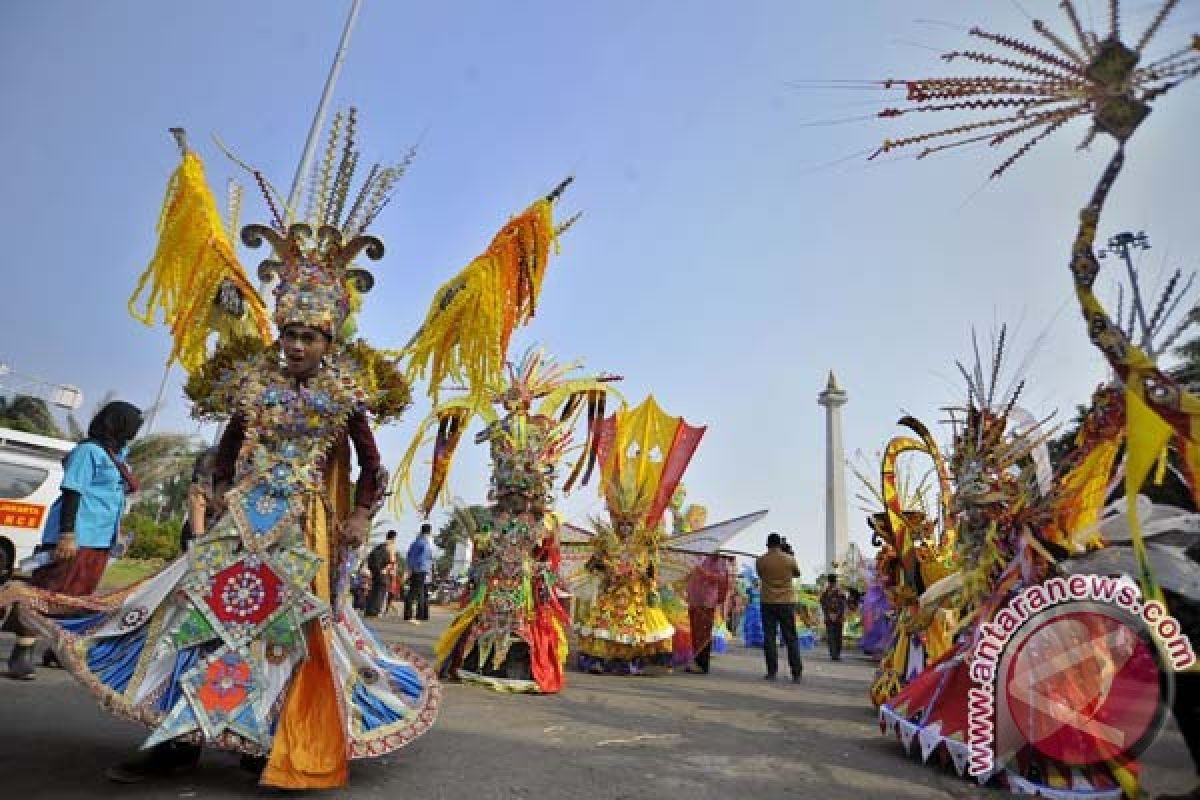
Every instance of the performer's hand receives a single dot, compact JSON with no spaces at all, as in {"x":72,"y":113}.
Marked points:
{"x":354,"y":529}
{"x":217,"y":498}
{"x":66,"y":548}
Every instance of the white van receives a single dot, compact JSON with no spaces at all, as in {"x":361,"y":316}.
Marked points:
{"x":31,"y":474}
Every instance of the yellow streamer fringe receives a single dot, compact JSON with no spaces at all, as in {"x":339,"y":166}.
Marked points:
{"x":466,"y":333}
{"x":193,"y":256}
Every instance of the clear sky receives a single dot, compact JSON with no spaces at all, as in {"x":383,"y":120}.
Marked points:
{"x":718,"y":265}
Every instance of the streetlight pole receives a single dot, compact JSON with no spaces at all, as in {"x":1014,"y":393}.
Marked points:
{"x":1121,"y":244}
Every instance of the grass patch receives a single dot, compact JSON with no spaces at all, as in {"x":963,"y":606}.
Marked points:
{"x":128,"y":570}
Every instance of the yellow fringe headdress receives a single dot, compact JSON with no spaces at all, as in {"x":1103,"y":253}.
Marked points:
{"x":535,"y":378}
{"x":466,"y":334}
{"x":195,"y":279}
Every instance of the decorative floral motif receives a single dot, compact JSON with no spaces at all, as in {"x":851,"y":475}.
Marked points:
{"x":227,"y":683}
{"x":245,"y":594}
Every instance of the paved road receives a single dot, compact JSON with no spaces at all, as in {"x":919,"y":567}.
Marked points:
{"x":725,"y":735}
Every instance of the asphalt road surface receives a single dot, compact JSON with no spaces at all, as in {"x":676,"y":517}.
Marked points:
{"x":684,"y":737}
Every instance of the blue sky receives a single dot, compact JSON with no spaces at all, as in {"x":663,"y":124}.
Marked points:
{"x":718,"y":265}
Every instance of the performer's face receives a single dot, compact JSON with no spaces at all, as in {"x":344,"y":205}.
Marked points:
{"x":303,"y":348}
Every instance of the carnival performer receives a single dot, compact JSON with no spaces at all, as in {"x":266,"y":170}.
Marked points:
{"x":626,"y":631}
{"x":1011,"y":524}
{"x":84,"y":524}
{"x":511,"y":632}
{"x":631,"y":560}
{"x":707,"y":589}
{"x":248,"y":642}
{"x":877,"y":616}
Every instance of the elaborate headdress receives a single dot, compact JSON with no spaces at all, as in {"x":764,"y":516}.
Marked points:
{"x":1035,"y":91}
{"x":466,"y":333}
{"x":319,"y":286}
{"x":528,"y":441}
{"x":643,"y":453}
{"x":198,"y":285}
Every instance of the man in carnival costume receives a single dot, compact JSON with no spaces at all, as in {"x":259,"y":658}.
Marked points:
{"x":246,"y":642}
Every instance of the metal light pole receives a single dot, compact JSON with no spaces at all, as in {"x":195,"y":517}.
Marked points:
{"x":1121,"y":244}
{"x":314,"y":133}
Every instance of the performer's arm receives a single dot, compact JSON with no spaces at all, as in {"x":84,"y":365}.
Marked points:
{"x":227,"y":453}
{"x":371,"y":483}
{"x":371,"y":479}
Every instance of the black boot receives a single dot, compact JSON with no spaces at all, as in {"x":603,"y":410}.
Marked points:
{"x":49,"y":659}
{"x":253,"y":764}
{"x":20,"y":663}
{"x":164,"y":760}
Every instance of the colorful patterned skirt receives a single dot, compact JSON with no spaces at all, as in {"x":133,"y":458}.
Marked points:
{"x":237,"y":645}
{"x":624,"y":633}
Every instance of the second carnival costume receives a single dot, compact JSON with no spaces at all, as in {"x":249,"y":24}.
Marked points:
{"x":621,"y":569}
{"x":247,"y":642}
{"x":1012,"y":521}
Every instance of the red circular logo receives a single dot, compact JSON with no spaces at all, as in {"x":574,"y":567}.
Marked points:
{"x":1084,"y":686}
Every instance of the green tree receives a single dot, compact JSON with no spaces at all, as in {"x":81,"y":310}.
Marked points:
{"x":1187,"y":371}
{"x":461,"y":524}
{"x":151,"y":537}
{"x":28,"y":414}
{"x":162,"y":463}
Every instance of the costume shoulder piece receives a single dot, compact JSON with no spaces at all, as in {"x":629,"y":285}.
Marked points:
{"x":359,"y":378}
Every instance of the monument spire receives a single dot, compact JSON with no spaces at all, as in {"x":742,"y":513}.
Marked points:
{"x":837,"y":538}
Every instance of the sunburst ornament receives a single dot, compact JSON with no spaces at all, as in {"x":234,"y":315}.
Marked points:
{"x":1035,"y":91}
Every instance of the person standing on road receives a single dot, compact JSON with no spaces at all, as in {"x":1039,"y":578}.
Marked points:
{"x":381,"y":557}
{"x":833,"y":605}
{"x":776,"y":568}
{"x":204,"y":503}
{"x":420,"y":567}
{"x":84,"y":524}
{"x":707,"y":589}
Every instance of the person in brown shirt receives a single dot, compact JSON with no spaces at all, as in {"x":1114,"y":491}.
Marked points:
{"x":776,"y":568}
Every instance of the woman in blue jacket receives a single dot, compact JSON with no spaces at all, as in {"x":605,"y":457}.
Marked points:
{"x":83,"y":524}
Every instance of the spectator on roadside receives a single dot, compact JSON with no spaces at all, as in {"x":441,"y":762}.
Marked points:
{"x":420,"y":567}
{"x":381,"y":557}
{"x":833,"y":606}
{"x":360,"y":584}
{"x":204,"y":503}
{"x":776,"y":569}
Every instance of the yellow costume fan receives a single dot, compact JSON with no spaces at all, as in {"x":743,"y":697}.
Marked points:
{"x":195,"y":279}
{"x":465,"y":335}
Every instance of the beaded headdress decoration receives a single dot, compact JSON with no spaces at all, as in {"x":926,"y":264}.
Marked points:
{"x":318,"y":284}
